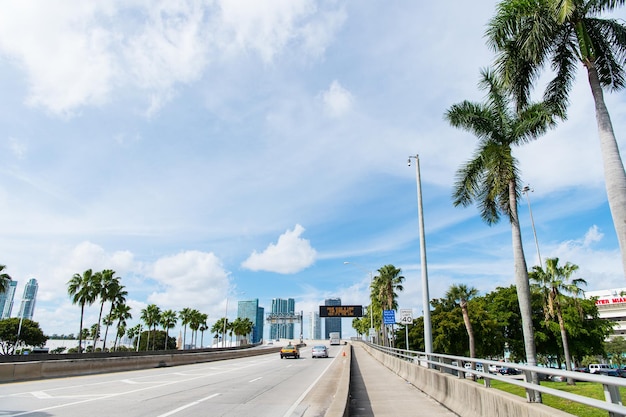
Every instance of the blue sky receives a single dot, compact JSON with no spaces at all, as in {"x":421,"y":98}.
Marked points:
{"x":214,"y":150}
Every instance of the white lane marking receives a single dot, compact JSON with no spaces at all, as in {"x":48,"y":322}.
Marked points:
{"x":41,"y":395}
{"x":117,"y":394}
{"x":169,"y":413}
{"x":299,"y":400}
{"x":256,"y":379}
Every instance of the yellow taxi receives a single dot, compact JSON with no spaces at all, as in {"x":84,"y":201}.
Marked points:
{"x":290,"y":351}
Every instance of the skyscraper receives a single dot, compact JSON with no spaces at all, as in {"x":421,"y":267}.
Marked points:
{"x":332,"y":324}
{"x":315,"y":326}
{"x":6,"y":300}
{"x":251,"y":310}
{"x":287,"y":308}
{"x":27,"y":308}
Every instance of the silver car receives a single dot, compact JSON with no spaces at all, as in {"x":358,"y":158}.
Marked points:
{"x":319,"y":351}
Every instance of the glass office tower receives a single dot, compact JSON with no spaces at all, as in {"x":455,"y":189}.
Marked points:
{"x":6,"y":300}
{"x":285,"y":307}
{"x":332,"y":324}
{"x":250,"y":309}
{"x":27,"y":307}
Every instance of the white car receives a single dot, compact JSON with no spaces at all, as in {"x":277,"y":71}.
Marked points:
{"x":479,"y":366}
{"x":319,"y":351}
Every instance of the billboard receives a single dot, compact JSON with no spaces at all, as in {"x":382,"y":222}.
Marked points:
{"x":341,"y":311}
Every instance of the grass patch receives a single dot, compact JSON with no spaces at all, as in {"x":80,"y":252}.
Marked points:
{"x":585,"y":389}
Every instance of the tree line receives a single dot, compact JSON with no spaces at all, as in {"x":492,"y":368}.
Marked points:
{"x":567,"y":328}
{"x":106,"y":290}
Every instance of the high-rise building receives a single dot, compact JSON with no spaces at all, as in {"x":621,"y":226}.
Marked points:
{"x":332,"y":324}
{"x":250,"y":309}
{"x":315,"y":326}
{"x":287,"y":308}
{"x":6,"y":300}
{"x":27,"y":307}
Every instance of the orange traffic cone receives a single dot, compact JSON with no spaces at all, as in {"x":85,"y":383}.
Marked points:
{"x":344,"y":353}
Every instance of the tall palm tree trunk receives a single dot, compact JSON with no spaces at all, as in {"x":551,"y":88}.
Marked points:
{"x":614,"y":174}
{"x":568,"y":359}
{"x":80,"y":333}
{"x":470,"y":333}
{"x":106,"y":332}
{"x":97,"y":332}
{"x":523,"y":291}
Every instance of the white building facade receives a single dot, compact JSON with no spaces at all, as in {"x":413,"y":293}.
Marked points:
{"x":612,"y":306}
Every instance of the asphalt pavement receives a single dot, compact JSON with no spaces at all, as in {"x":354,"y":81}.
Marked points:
{"x":377,"y":391}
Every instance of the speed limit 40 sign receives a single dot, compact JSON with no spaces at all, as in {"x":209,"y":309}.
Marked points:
{"x":406,"y":316}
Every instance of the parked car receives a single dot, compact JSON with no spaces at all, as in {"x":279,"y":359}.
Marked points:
{"x":608,"y":372}
{"x":583,"y":369}
{"x":595,"y":367}
{"x":319,"y":351}
{"x":509,"y":371}
{"x":290,"y":351}
{"x":479,"y":366}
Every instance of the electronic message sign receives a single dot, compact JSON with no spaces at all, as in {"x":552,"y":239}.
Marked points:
{"x":341,"y":311}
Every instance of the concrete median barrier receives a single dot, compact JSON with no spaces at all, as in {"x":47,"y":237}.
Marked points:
{"x":41,"y":369}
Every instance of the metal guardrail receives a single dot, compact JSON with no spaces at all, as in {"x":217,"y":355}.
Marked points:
{"x":455,"y":365}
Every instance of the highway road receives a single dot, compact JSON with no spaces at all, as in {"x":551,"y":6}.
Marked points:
{"x":257,"y":386}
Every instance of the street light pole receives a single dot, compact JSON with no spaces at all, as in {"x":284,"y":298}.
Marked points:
{"x":525,"y":191}
{"x":371,"y":312}
{"x":428,"y":342}
{"x":19,"y":327}
{"x":225,"y":321}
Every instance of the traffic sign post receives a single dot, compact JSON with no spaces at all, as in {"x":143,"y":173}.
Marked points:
{"x":406,"y":318}
{"x":389,"y":317}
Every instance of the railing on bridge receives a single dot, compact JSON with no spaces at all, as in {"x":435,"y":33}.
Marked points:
{"x":455,"y":365}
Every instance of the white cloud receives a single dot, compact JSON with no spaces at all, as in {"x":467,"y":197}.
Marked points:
{"x":78,"y":55}
{"x":337,"y":100}
{"x":289,"y":255}
{"x":600,"y":267}
{"x":264,"y":27}
{"x":66,"y":56}
{"x":189,"y":279}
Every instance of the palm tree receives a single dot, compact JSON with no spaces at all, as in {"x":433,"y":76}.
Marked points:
{"x":116,"y":294}
{"x":246,"y":328}
{"x":554,"y":282}
{"x":491,"y":177}
{"x":80,"y":288}
{"x":185,"y":316}
{"x":100,"y":282}
{"x":237,"y":328}
{"x":150,"y":315}
{"x":527,"y":34}
{"x":203,"y":326}
{"x":4,"y":279}
{"x":385,"y":285}
{"x":460,"y":294}
{"x":194,"y":325}
{"x":133,"y":332}
{"x":168,"y":321}
{"x":121,"y":313}
{"x":218,"y":327}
